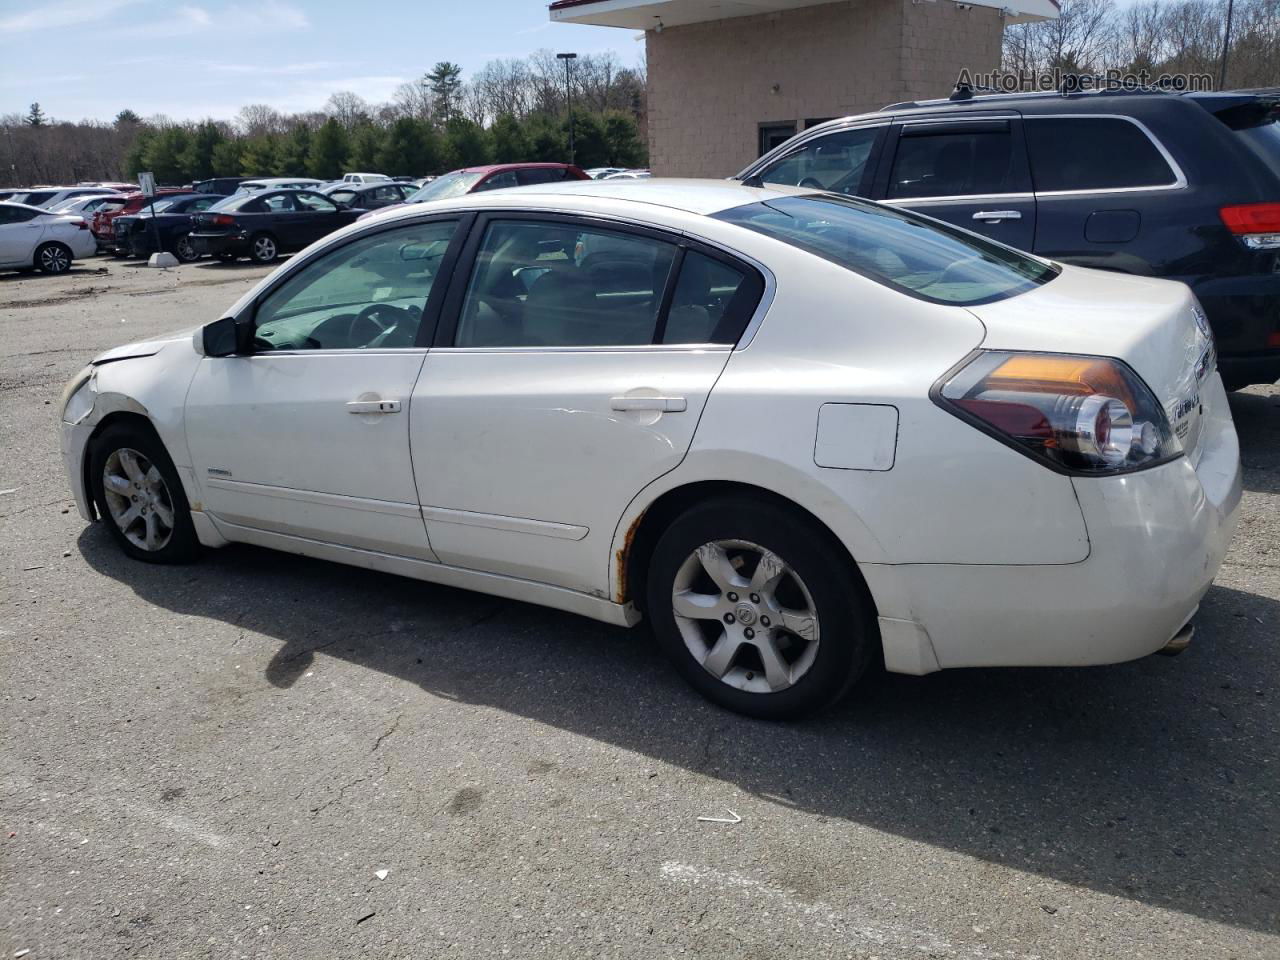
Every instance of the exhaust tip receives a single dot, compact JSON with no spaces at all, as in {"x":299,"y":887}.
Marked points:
{"x":1180,"y":641}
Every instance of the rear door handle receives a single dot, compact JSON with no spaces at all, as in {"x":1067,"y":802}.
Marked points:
{"x":663,"y":404}
{"x":991,"y":216}
{"x":373,"y":406}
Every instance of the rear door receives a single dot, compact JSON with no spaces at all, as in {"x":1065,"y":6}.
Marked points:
{"x":572,"y":363}
{"x":20,"y":230}
{"x":1095,"y":213}
{"x":971,"y":172}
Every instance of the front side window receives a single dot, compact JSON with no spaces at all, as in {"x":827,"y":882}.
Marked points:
{"x":1093,"y":153}
{"x":836,"y":162}
{"x":903,"y":251}
{"x":450,"y":185}
{"x":369,"y":293}
{"x":553,"y":284}
{"x":498,"y":181}
{"x":952,"y":164}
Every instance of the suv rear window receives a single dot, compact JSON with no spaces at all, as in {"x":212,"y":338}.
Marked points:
{"x":1093,"y":153}
{"x":908,"y":253}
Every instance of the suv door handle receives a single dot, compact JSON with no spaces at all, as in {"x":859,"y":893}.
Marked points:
{"x":992,"y":216}
{"x":373,"y":406}
{"x":662,"y":404}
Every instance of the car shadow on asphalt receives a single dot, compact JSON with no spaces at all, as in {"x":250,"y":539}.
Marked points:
{"x":1257,"y":419}
{"x":1154,"y":781}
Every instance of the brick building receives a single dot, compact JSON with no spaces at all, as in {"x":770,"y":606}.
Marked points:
{"x":729,"y":79}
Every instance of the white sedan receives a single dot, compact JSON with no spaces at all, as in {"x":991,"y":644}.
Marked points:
{"x":796,"y":431}
{"x":32,"y":238}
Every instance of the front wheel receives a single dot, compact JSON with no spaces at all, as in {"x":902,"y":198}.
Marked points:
{"x":53,"y":258}
{"x":263,"y":248}
{"x":759,"y":608}
{"x":139,"y":496}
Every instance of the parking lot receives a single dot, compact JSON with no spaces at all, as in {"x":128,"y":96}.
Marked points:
{"x":267,"y":756}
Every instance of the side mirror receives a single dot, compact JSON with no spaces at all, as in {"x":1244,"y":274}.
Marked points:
{"x":223,"y":338}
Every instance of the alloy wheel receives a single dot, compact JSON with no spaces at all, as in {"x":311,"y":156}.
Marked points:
{"x":138,"y":499}
{"x":264,"y":249}
{"x":185,"y":251}
{"x":746,"y":616}
{"x":55,"y":259}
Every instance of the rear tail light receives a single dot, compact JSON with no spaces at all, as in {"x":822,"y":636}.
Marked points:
{"x":1089,"y":415}
{"x":1256,"y":224}
{"x":81,"y":225}
{"x":222,"y":220}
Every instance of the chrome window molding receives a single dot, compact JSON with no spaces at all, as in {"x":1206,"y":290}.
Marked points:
{"x":960,"y":198}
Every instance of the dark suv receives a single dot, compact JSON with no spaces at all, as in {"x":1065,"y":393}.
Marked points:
{"x":1180,"y":186}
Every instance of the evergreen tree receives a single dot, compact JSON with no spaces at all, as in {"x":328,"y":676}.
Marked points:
{"x":35,"y":117}
{"x":366,"y":145}
{"x":165,"y":156}
{"x":228,"y":158}
{"x":127,"y":118}
{"x":590,"y":147}
{"x":445,"y":80}
{"x":510,"y":145}
{"x":329,"y":150}
{"x":259,"y":155}
{"x":410,"y":149}
{"x":295,"y":153}
{"x":547,"y":140}
{"x":198,"y":157}
{"x":623,"y":137}
{"x":466,"y":143}
{"x":135,"y":158}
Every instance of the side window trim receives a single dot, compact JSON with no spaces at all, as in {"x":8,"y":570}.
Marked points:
{"x":460,"y":267}
{"x":867,"y":180}
{"x":889,"y":156}
{"x":1179,"y":178}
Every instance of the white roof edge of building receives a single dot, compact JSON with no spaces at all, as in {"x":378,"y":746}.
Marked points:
{"x":654,"y":14}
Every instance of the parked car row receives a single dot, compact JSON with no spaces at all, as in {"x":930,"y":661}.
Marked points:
{"x":34,"y":238}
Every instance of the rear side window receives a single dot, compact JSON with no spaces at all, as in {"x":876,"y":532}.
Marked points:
{"x":711,"y":303}
{"x":912,"y":254}
{"x":836,"y":162}
{"x":35,"y":199}
{"x":539,"y":175}
{"x":952,"y":164}
{"x":1093,"y":153}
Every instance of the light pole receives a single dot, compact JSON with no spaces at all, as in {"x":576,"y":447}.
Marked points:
{"x":1226,"y":46}
{"x":568,"y":94}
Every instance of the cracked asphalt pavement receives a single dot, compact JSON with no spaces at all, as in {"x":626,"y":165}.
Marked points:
{"x":221,"y":759}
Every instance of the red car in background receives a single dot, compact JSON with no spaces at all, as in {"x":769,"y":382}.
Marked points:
{"x":492,"y":177}
{"x":102,"y":228}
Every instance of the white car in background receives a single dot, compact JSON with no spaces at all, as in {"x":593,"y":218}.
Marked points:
{"x":365,"y":178}
{"x":32,"y":238}
{"x":796,"y":431}
{"x":51,"y":197}
{"x":86,"y":206}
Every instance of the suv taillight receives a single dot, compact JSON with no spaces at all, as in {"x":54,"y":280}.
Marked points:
{"x":1089,"y":415}
{"x":1256,"y":224}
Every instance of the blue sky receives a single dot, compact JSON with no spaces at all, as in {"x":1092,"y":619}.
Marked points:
{"x":206,"y":58}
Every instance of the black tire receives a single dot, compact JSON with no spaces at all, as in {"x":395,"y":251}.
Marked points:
{"x":182,"y":544}
{"x":847,"y":633}
{"x":183,"y":249}
{"x":263,"y":248}
{"x":53,"y":258}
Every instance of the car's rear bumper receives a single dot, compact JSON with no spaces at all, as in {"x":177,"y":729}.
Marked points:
{"x":1156,"y":540}
{"x":214,"y":244}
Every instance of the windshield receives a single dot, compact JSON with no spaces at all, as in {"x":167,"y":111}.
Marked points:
{"x":442,"y":188}
{"x":160,"y":206}
{"x":910,"y":253}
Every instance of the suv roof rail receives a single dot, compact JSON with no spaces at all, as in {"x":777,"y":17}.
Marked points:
{"x":967,"y":94}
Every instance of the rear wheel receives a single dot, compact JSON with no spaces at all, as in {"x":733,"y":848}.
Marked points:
{"x":139,"y":495}
{"x":263,"y":248}
{"x":759,"y":608}
{"x":184,"y":250}
{"x":53,"y":257}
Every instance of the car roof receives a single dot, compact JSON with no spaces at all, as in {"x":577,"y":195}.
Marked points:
{"x":496,"y":167}
{"x":700,"y":197}
{"x":25,"y":206}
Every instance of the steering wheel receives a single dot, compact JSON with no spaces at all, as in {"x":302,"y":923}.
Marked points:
{"x":372,"y":322}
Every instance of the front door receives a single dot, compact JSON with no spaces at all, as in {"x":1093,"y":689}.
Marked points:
{"x":317,"y":216}
{"x":308,"y":435}
{"x":972,"y":173}
{"x":570,"y":370}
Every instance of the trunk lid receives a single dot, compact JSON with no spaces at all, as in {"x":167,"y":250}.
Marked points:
{"x":1155,"y":326}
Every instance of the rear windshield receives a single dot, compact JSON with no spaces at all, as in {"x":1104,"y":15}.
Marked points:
{"x":909,"y":253}
{"x":1264,"y":140}
{"x":1256,"y":123}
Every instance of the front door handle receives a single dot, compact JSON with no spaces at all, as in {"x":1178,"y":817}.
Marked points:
{"x":373,"y":406}
{"x":661,"y":404}
{"x":992,"y":216}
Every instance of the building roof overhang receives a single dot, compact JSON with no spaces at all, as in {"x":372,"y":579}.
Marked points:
{"x":653,"y":14}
